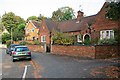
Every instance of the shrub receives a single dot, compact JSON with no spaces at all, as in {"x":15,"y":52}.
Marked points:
{"x":107,"y":41}
{"x":8,"y":42}
{"x":23,"y":43}
{"x":5,"y":37}
{"x":87,"y":42}
{"x":63,"y":39}
{"x":36,"y":42}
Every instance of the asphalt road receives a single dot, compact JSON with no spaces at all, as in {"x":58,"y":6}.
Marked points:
{"x":50,"y":66}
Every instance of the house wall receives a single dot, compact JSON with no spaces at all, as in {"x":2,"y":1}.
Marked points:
{"x":102,"y":23}
{"x":44,"y":31}
{"x":31,"y":33}
{"x":98,"y":52}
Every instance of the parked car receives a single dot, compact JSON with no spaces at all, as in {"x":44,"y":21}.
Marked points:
{"x":21,"y":52}
{"x":10,"y":48}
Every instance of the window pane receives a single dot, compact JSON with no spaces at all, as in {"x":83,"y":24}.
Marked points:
{"x":107,"y":34}
{"x":111,"y":34}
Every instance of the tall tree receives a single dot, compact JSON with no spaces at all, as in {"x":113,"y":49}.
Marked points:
{"x":113,"y":13}
{"x":10,"y":20}
{"x":63,"y":14}
{"x":39,"y":18}
{"x":32,"y":18}
{"x":113,"y":10}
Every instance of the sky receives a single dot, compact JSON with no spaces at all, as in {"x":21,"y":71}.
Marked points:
{"x":27,"y":8}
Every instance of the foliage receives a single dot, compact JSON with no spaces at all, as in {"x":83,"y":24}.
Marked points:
{"x":87,"y":42}
{"x":63,"y":14}
{"x":117,"y":35}
{"x":94,"y":41}
{"x":21,"y":26}
{"x":1,"y":27}
{"x":8,"y":42}
{"x":17,"y":34}
{"x":63,"y":39}
{"x":32,"y":18}
{"x":23,"y":43}
{"x":39,"y":18}
{"x":113,"y":11}
{"x":107,"y":41}
{"x":10,"y":20}
{"x":36,"y":42}
{"x":5,"y":37}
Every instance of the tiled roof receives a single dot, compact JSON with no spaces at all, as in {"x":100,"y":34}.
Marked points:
{"x":71,"y":25}
{"x":51,"y":24}
{"x":36,"y":23}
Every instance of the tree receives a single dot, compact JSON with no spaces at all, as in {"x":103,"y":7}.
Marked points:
{"x":63,"y":14}
{"x":5,"y":37}
{"x":32,"y":18}
{"x":18,"y":33}
{"x":10,"y":20}
{"x":39,"y":18}
{"x":113,"y":11}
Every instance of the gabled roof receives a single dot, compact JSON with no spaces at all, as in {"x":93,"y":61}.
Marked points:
{"x":36,"y":24}
{"x":71,"y":25}
{"x":51,"y":25}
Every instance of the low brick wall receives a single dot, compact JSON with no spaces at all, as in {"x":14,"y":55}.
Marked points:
{"x":79,"y":51}
{"x":98,"y":52}
{"x":107,"y":51}
{"x":38,"y":48}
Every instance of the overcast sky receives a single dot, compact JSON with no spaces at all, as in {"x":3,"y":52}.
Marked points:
{"x":26,"y":8}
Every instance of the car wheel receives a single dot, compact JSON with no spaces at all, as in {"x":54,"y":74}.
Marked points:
{"x":13,"y":60}
{"x":30,"y":59}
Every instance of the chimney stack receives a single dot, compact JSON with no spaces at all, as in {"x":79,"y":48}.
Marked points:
{"x":79,"y":16}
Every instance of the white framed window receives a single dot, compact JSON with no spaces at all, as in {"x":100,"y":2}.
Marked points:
{"x":106,"y":34}
{"x":79,"y":38}
{"x":43,"y":38}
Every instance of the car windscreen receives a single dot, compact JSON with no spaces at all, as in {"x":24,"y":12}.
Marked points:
{"x":19,"y":49}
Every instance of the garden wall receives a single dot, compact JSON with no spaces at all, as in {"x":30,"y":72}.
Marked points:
{"x":37,"y":48}
{"x":78,"y":51}
{"x":98,"y":51}
{"x":107,"y":51}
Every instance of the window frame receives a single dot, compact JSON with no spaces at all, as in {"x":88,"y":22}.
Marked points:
{"x":43,"y":38}
{"x":106,"y":34}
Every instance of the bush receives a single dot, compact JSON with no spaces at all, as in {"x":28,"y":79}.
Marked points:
{"x":5,"y":37}
{"x":8,"y":43}
{"x":87,"y":42}
{"x":23,"y":43}
{"x":63,"y":39}
{"x":107,"y":41}
{"x":36,"y":42}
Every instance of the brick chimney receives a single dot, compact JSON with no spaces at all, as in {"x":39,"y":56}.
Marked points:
{"x":79,"y":16}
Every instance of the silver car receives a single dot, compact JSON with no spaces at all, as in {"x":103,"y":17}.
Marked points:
{"x":21,"y":52}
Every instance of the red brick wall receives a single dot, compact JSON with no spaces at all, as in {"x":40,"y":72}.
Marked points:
{"x":106,"y":51}
{"x":102,"y":23}
{"x":80,"y":51}
{"x":37,"y":48}
{"x":44,"y":31}
{"x":98,"y":52}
